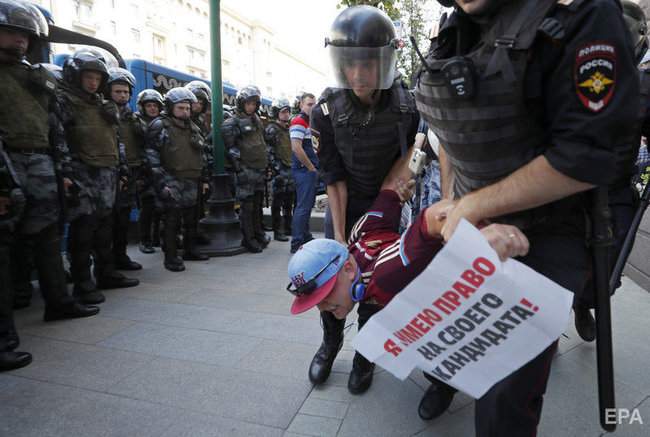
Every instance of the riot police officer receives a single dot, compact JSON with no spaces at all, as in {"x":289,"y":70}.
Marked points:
{"x":12,"y":203}
{"x":150,"y":104}
{"x":91,"y":125}
{"x":360,"y":129}
{"x":534,"y":102}
{"x":30,"y":120}
{"x":200,"y":117}
{"x":175,"y":156}
{"x":131,"y":137}
{"x":243,"y":136}
{"x":277,"y":137}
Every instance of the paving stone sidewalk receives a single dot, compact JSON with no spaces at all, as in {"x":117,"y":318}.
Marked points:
{"x":213,"y":351}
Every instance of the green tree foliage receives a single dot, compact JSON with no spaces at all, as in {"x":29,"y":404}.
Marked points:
{"x":389,"y":6}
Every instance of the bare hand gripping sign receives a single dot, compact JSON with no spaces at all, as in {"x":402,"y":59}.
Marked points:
{"x":469,"y":319}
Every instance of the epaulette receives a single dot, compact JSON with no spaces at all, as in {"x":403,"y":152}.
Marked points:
{"x":323,"y":100}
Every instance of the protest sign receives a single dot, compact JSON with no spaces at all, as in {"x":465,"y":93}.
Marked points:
{"x":468,"y":319}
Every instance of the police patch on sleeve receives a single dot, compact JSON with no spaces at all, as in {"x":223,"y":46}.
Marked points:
{"x":595,"y":75}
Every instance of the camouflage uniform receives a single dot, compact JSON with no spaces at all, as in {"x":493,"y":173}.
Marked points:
{"x":131,"y":133}
{"x":243,"y":137}
{"x":150,"y":215}
{"x":30,"y":116}
{"x":91,"y":131}
{"x":174,"y":153}
{"x":277,"y":137}
{"x":9,"y":188}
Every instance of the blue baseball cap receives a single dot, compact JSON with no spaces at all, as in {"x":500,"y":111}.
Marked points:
{"x":313,"y":270}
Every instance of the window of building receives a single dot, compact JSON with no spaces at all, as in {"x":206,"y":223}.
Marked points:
{"x":83,"y":10}
{"x":135,"y":34}
{"x":159,"y":50}
{"x":113,"y":27}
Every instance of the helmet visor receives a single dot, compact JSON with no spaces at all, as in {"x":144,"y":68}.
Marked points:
{"x":363,"y":67}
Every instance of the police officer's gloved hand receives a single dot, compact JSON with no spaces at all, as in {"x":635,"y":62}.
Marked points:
{"x":110,"y":111}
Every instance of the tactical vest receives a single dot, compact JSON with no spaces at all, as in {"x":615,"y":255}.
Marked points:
{"x":181,"y":156}
{"x":91,"y":136}
{"x":283,"y":147}
{"x":130,"y":131}
{"x":369,"y":142}
{"x":24,"y":113}
{"x":491,"y":135}
{"x":251,"y":141}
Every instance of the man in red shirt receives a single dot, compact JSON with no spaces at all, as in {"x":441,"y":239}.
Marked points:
{"x":378,"y":262}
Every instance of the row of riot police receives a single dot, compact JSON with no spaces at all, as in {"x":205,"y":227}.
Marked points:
{"x":75,"y":156}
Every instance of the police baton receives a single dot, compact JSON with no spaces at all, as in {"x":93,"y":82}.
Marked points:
{"x":626,"y":249}
{"x":601,"y":242}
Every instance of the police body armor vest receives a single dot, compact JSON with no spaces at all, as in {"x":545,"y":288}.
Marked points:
{"x":181,"y":155}
{"x":91,"y":136}
{"x":24,"y":116}
{"x":251,"y":142}
{"x":283,"y":148}
{"x":491,"y":135}
{"x":369,"y":142}
{"x":130,"y":130}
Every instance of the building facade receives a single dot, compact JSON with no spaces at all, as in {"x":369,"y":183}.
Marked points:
{"x":176,"y":34}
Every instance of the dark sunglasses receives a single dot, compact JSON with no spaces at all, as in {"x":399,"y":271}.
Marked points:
{"x":309,"y":286}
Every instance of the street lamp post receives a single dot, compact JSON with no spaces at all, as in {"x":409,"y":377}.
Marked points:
{"x":221,"y":225}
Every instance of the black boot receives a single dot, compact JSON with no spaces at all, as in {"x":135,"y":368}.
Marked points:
{"x":189,"y":252}
{"x":278,"y":233}
{"x":258,"y":228}
{"x":173,"y":262}
{"x":105,"y":274}
{"x":72,"y":310}
{"x":585,"y":323}
{"x":80,"y":245}
{"x":113,"y":279}
{"x":321,"y":365}
{"x":86,"y":292}
{"x":22,"y":266}
{"x":361,"y":375}
{"x":124,"y":262}
{"x":247,"y":229}
{"x":52,"y":280}
{"x":10,"y":360}
{"x":436,"y":400}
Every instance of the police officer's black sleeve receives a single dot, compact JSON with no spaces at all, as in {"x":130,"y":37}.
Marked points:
{"x":591,"y":93}
{"x":331,"y":167}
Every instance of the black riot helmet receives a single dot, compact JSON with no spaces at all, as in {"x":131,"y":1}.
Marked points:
{"x":246,"y":94}
{"x":21,"y":16}
{"x":178,"y":95}
{"x":447,"y":3}
{"x":278,"y":106}
{"x":149,"y":95}
{"x":84,"y":60}
{"x":202,"y":92}
{"x":120,"y":75}
{"x":363,"y":36}
{"x":636,"y":22}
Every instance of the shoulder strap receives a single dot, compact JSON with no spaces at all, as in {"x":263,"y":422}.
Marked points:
{"x":519,"y":35}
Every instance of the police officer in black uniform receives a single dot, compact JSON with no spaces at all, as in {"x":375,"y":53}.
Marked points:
{"x":150,"y":103}
{"x":534,"y":103}
{"x":360,"y":129}
{"x":131,"y":136}
{"x":279,"y":142}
